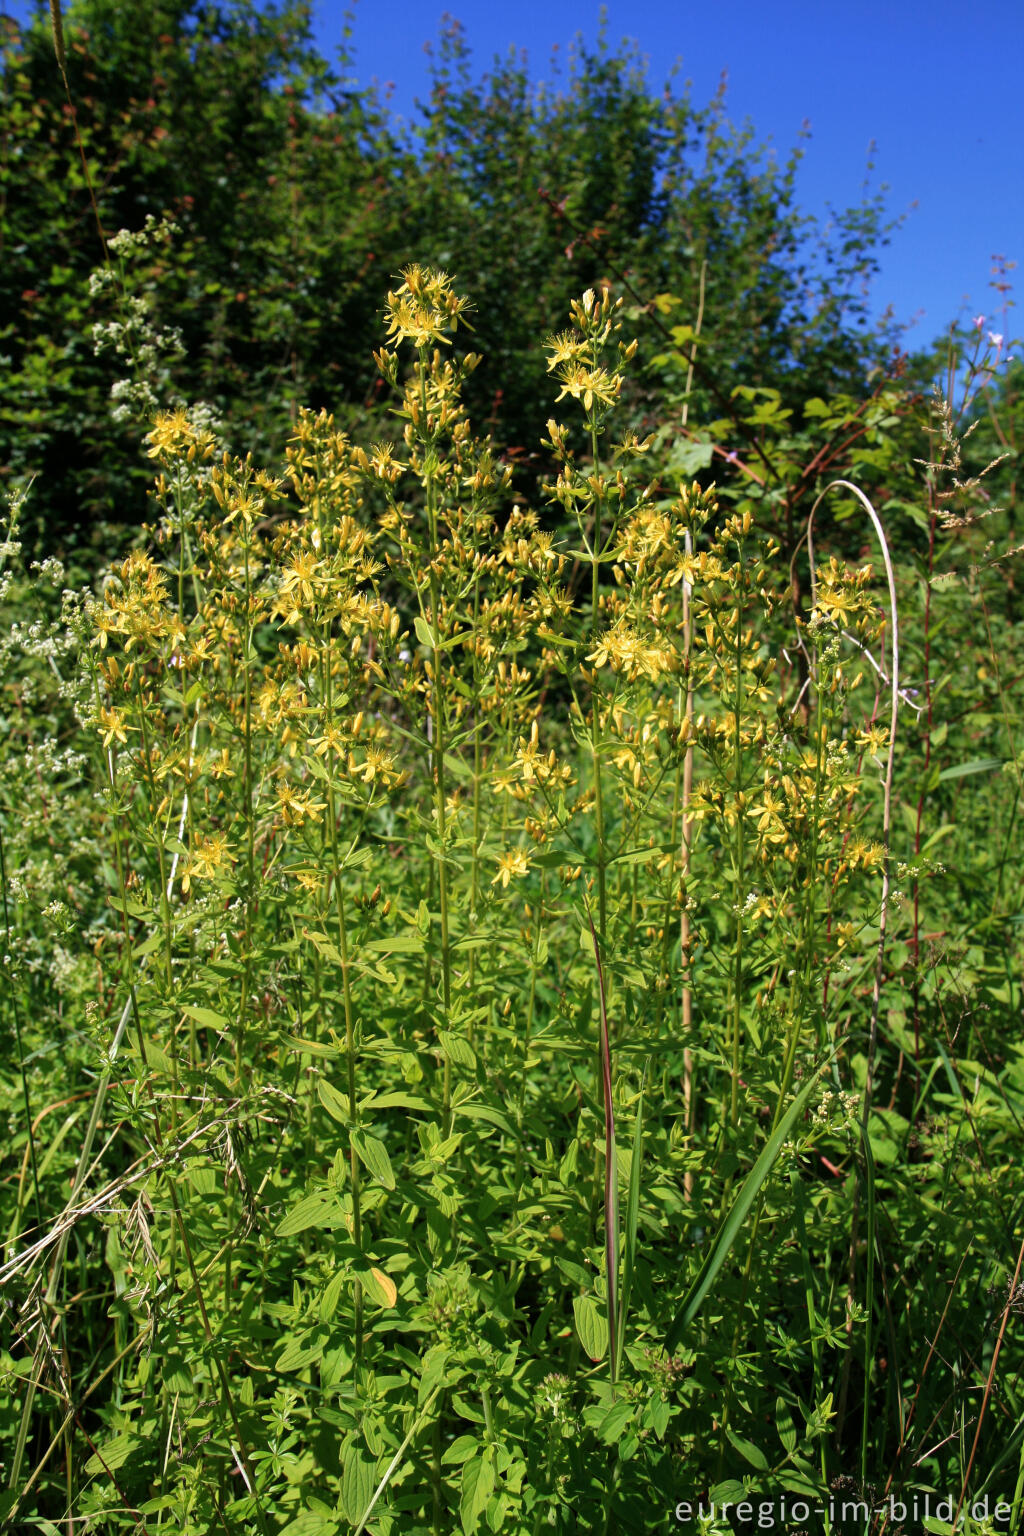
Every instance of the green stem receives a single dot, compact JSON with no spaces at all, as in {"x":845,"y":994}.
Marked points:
{"x":438,"y":742}
{"x":8,"y":971}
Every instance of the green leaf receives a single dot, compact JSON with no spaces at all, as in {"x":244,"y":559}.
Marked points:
{"x":331,"y":1296}
{"x":460,"y":1451}
{"x":335,"y":1103}
{"x":592,"y":1326}
{"x":206,"y":1016}
{"x":114,"y":1454}
{"x":733,"y":1223}
{"x":304,"y":1349}
{"x":379,"y":1286}
{"x":175,"y":1375}
{"x":325,"y":948}
{"x":424,"y":633}
{"x":398,"y":1101}
{"x":398,"y":944}
{"x":945,"y":830}
{"x":322,"y":1209}
{"x":748,"y":1451}
{"x":640,"y":855}
{"x":358,"y":1481}
{"x":689,"y":458}
{"x":373,"y":1154}
{"x":311,"y":1522}
{"x":614,"y":1422}
{"x":477,"y":1487}
{"x":434,"y":1362}
{"x":471,"y":1110}
{"x":312,"y":1047}
{"x":731,"y":1489}
{"x":784,"y":1424}
{"x":457,"y":1049}
{"x":976,"y":765}
{"x":658,"y":1413}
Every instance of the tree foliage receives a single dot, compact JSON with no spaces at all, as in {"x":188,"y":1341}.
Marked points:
{"x":299,"y":196}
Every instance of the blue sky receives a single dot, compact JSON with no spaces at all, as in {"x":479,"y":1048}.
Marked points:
{"x":933,"y":86}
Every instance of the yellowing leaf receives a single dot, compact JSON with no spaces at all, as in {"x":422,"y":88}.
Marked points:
{"x":380,"y":1286}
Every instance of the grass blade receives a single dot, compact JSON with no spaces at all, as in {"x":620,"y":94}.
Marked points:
{"x":733,"y":1223}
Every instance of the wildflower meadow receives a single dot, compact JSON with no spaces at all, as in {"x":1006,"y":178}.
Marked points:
{"x":512,"y":981}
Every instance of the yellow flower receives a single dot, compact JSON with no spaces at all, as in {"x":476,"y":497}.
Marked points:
{"x":207,"y":857}
{"x":589,"y":384}
{"x":875,"y":739}
{"x":567,"y":347}
{"x":296,"y":808}
{"x":173,"y":434}
{"x":113,"y":726}
{"x":377,"y":764}
{"x":768,"y":815}
{"x":331,"y":741}
{"x":624,"y":650}
{"x":515,"y":862}
{"x":424,"y":308}
{"x":300,"y":579}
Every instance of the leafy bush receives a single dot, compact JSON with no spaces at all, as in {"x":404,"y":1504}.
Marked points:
{"x":308,"y":195}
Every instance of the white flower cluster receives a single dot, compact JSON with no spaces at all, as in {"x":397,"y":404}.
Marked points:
{"x":835,"y":1112}
{"x":128,"y":243}
{"x":555,"y":1399}
{"x":134,"y":335}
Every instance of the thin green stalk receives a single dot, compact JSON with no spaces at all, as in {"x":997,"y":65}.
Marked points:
{"x":803,"y":1239}
{"x":439,"y":745}
{"x":16,"y":1015}
{"x":395,"y":1461}
{"x":250,"y":813}
{"x":335,"y":880}
{"x":520,"y":1103}
{"x":739,"y":854}
{"x":611,"y":1172}
{"x":595,"y":736}
{"x":474,"y":866}
{"x":350,"y":1061}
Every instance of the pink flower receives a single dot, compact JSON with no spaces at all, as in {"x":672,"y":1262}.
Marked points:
{"x":979,"y":321}
{"x":996,"y":339}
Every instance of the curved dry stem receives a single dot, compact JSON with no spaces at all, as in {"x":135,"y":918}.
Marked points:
{"x":876,"y":990}
{"x":894,"y":675}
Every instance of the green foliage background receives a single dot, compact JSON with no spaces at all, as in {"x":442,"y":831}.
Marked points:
{"x":305,"y":198}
